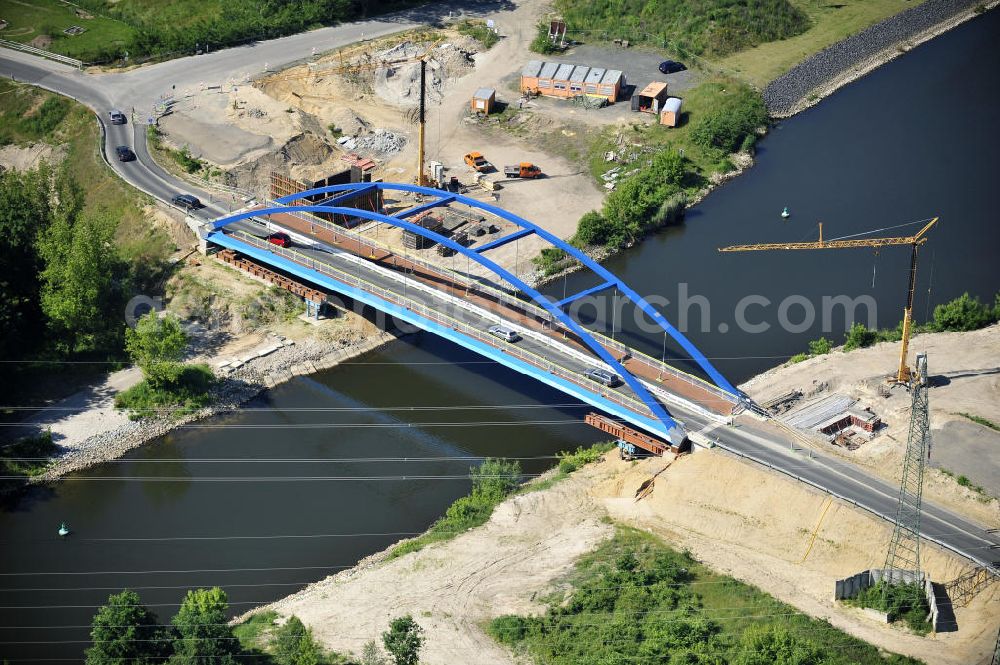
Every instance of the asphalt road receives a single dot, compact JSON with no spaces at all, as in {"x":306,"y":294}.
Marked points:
{"x":141,"y":87}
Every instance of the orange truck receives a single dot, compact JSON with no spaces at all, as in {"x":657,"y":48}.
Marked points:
{"x":478,"y":162}
{"x":522,"y":170}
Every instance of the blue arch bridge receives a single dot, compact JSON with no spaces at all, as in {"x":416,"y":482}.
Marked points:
{"x":437,"y":260}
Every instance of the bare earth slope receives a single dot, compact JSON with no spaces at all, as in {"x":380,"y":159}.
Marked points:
{"x":733,"y":516}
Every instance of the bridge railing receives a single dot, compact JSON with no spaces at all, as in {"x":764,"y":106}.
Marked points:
{"x":42,"y":53}
{"x":441,"y":318}
{"x":511,"y":300}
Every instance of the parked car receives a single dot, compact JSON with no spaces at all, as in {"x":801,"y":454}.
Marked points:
{"x":116,"y":117}
{"x":280,"y":239}
{"x":603,"y":376}
{"x":671,"y":67}
{"x":504,"y":333}
{"x":125,"y":153}
{"x":186,"y":201}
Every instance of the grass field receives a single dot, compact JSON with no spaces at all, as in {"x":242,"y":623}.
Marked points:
{"x":635,"y":599}
{"x":830,"y":23}
{"x":28,"y":19}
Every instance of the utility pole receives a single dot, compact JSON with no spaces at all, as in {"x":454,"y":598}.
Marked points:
{"x":904,"y":548}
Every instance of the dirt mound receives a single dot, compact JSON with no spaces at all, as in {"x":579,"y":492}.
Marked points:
{"x":305,"y":156}
{"x":400,"y":84}
{"x":349,"y":123}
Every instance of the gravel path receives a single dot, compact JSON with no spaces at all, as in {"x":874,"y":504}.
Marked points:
{"x":862,"y":52}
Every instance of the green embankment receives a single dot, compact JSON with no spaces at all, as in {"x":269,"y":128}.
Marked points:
{"x":636,"y":600}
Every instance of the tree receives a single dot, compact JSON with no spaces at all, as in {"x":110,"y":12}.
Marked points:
{"x":819,"y":347}
{"x":962,"y":313}
{"x":592,"y":229}
{"x":372,"y":655}
{"x":79,"y":280}
{"x":294,"y":644}
{"x":203,"y":634}
{"x":25,"y":210}
{"x":157,"y":345}
{"x":495,"y":478}
{"x":774,"y":645}
{"x":125,"y":632}
{"x":859,"y":336}
{"x":403,"y":640}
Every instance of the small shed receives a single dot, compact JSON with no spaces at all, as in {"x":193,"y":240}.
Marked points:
{"x":650,"y":99}
{"x":483,"y":100}
{"x":529,"y":75}
{"x":670,"y":115}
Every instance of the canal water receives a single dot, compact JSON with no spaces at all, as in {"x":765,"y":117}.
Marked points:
{"x":368,"y":455}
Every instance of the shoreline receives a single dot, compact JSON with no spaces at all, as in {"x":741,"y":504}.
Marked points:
{"x":247,"y":382}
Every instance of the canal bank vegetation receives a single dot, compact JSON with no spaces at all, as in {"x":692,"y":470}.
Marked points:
{"x":75,"y":244}
{"x":492,"y":482}
{"x":635,"y":597}
{"x":960,"y":314}
{"x":157,"y":345}
{"x":25,"y":458}
{"x":659,"y":169}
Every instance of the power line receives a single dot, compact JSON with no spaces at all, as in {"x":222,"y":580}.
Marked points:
{"x":261,"y":479}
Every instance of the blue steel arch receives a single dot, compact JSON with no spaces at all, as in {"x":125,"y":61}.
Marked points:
{"x":609,"y":278}
{"x":671,"y":430}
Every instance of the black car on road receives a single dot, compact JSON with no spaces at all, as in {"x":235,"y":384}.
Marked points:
{"x":671,"y":67}
{"x":125,"y":153}
{"x":186,"y":201}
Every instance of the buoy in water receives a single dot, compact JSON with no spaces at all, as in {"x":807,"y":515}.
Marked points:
{"x":785,"y":214}
{"x":63,"y":529}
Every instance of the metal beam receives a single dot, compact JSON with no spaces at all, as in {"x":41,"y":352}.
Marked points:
{"x":410,"y":212}
{"x":499,"y":242}
{"x":583,"y":294}
{"x":337,"y":200}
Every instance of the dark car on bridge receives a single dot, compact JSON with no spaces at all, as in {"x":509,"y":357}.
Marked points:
{"x":671,"y":67}
{"x":186,"y":201}
{"x":604,"y":377}
{"x":280,"y":239}
{"x":125,"y":153}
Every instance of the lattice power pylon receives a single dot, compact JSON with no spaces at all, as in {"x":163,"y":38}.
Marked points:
{"x":904,"y":548}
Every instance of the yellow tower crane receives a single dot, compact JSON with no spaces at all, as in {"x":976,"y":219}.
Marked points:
{"x":903,"y":373}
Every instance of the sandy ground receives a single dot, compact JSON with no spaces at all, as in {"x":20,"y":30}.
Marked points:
{"x":971,"y":384}
{"x":555,"y":202}
{"x":735,"y":518}
{"x":29,"y":157}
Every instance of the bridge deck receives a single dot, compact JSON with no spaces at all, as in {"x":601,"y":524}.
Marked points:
{"x":523,"y":314}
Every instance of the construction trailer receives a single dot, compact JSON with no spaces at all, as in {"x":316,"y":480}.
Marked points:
{"x":670,"y":113}
{"x":484,"y":100}
{"x":651,"y":98}
{"x":564,"y":80}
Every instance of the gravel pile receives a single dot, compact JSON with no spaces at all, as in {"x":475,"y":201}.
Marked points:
{"x":380,"y":142}
{"x":784,"y":93}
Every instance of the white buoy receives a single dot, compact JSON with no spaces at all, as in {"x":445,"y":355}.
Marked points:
{"x":785,"y":214}
{"x":63,"y":529}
